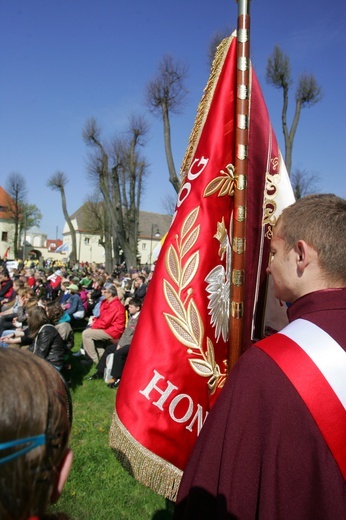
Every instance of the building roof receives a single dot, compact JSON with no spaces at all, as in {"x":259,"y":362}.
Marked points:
{"x":4,"y":202}
{"x":149,"y":223}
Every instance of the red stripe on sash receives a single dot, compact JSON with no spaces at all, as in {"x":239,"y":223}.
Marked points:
{"x":321,"y":400}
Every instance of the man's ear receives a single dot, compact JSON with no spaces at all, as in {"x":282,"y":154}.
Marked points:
{"x":303,"y":250}
{"x":61,"y":478}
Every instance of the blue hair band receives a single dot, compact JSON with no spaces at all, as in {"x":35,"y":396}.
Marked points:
{"x":32,"y":442}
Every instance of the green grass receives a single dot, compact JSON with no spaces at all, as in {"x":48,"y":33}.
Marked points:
{"x":98,"y":487}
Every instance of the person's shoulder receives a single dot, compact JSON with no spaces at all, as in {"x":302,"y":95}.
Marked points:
{"x":255,"y":365}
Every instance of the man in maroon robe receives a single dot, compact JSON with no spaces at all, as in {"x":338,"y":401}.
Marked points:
{"x":261,"y":454}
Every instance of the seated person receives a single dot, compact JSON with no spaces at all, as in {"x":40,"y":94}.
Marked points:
{"x":87,"y":281}
{"x":53,"y":284}
{"x":109,"y":325}
{"x":64,"y":293}
{"x":84,"y":294}
{"x":121,"y":349}
{"x":34,"y":456}
{"x":140,"y":288}
{"x":19,"y":334}
{"x":61,"y":321}
{"x":75,"y":306}
{"x":8,"y":303}
{"x":40,"y":289}
{"x":6,"y":317}
{"x":6,"y":285}
{"x":95,"y":293}
{"x":47,"y":342}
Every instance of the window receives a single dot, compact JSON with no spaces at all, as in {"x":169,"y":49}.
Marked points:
{"x":144,"y":245}
{"x":4,"y":236}
{"x":86,"y":241}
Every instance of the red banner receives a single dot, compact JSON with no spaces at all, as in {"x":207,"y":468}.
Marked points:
{"x":177,"y":362}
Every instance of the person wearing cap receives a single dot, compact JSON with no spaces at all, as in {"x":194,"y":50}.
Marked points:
{"x":76,"y":308}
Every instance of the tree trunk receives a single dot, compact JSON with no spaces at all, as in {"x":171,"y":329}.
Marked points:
{"x":173,"y":178}
{"x":73,"y":254}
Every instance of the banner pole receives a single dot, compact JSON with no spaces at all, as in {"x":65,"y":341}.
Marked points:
{"x":240,"y":192}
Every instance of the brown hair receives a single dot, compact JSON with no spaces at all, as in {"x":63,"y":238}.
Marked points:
{"x":38,"y":405}
{"x":36,"y":318}
{"x":54,"y":311}
{"x":32,"y":302}
{"x":319,"y":220}
{"x":19,"y":284}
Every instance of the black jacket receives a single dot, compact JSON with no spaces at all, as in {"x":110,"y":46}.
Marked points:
{"x":48,"y":344}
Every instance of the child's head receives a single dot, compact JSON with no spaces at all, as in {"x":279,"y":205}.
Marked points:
{"x":35,"y":423}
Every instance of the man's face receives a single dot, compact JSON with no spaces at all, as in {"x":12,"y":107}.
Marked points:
{"x":283,"y":268}
{"x":106,"y":294}
{"x":133,"y":309}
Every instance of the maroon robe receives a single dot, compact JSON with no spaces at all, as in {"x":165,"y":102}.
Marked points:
{"x":260,"y":454}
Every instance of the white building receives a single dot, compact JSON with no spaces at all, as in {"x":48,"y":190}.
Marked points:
{"x":152,"y":230}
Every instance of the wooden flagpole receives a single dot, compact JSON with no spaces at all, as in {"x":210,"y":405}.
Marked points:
{"x":241,"y":168}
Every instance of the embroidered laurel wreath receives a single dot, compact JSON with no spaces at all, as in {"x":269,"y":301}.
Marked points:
{"x":185,"y":321}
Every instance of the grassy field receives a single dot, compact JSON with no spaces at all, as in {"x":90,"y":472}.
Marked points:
{"x":98,"y":487}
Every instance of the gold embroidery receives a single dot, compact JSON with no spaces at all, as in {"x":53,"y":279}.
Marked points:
{"x":185,"y":322}
{"x":224,"y":184}
{"x":204,"y":105}
{"x":269,"y":203}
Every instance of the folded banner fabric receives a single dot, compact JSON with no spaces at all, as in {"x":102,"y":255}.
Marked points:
{"x":177,"y":361}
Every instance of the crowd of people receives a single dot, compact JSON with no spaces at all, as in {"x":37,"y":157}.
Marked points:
{"x":40,"y":309}
{"x":272,"y":447}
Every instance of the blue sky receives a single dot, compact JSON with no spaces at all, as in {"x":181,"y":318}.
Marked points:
{"x":64,"y":61}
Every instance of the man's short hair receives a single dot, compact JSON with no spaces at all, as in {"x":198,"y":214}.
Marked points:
{"x":112,"y":290}
{"x":319,"y":220}
{"x":136,"y":302}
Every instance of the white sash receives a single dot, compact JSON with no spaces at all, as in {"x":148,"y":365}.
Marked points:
{"x":323,"y":350}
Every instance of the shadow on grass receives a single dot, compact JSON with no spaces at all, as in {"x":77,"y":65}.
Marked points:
{"x":160,"y":514}
{"x":76,"y":369}
{"x":164,"y":514}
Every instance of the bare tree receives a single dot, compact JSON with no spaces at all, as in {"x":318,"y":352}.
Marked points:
{"x":119,"y":170}
{"x":24,"y":215}
{"x":165,"y":95}
{"x":168,"y":204}
{"x":17,"y":191}
{"x":57,"y":182}
{"x":308,"y":93}
{"x":304,"y":182}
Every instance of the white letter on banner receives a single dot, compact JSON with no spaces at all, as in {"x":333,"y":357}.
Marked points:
{"x":198,"y":415}
{"x":164,"y":393}
{"x":175,"y":402}
{"x":187,"y":188}
{"x":191,"y":176}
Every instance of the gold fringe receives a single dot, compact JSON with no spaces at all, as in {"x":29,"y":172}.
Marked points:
{"x":204,"y":105}
{"x":146,"y":467}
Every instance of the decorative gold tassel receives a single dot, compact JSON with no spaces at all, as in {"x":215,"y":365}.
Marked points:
{"x":204,"y":105}
{"x":146,"y":467}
